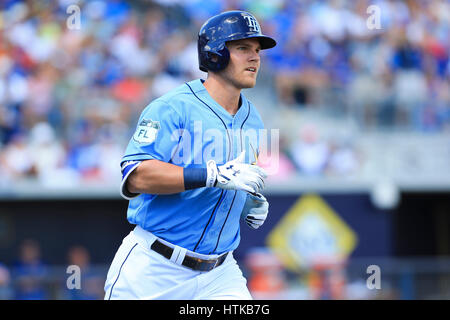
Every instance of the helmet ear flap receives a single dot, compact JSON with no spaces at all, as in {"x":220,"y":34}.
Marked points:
{"x":212,"y":57}
{"x":217,"y":60}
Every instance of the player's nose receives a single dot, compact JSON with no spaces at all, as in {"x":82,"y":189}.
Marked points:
{"x":254,"y":56}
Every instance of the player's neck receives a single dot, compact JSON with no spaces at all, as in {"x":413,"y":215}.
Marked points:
{"x":224,"y":93}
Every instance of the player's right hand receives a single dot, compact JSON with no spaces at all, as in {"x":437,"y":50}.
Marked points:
{"x":255,"y":210}
{"x":236,"y":175}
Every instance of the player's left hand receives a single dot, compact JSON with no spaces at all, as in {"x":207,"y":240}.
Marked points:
{"x":255,"y":210}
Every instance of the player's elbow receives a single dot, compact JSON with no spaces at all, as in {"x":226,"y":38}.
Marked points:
{"x":138,"y":183}
{"x":141,"y":179}
{"x":132,"y":183}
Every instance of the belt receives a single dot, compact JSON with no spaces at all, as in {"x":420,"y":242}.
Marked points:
{"x":189,"y":262}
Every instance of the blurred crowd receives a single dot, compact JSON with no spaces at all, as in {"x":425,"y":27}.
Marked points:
{"x":393,"y":71}
{"x":71,"y":90}
{"x":30,"y":277}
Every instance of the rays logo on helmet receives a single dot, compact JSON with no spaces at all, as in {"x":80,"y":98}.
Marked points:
{"x":146,"y":131}
{"x":252,"y":23}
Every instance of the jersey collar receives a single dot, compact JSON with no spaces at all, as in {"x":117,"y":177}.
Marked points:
{"x":200,"y":90}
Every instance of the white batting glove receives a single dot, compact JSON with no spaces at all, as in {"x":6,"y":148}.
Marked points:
{"x":236,"y":175}
{"x":255,"y":210}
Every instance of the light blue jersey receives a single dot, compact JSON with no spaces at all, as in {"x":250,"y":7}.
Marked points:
{"x":186,"y":127}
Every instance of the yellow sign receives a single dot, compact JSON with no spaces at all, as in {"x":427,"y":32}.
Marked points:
{"x":311,"y":232}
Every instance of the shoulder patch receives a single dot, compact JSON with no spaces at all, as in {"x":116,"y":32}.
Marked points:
{"x":146,"y":131}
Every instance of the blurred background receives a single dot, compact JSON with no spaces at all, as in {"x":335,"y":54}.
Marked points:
{"x":360,"y":93}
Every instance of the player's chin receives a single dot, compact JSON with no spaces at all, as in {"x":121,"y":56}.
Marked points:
{"x":248,"y":82}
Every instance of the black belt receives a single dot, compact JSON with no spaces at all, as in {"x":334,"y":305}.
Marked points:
{"x":190,"y":262}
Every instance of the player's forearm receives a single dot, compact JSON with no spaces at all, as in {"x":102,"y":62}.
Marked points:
{"x":156,"y":177}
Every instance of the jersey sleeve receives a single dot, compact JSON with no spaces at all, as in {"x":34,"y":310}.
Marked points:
{"x":156,"y":137}
{"x":127,"y":168}
{"x":157,"y":134}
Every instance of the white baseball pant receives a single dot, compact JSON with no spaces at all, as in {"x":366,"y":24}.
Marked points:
{"x":138,"y":272}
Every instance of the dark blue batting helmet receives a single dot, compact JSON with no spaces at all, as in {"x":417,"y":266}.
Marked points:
{"x":227,"y":26}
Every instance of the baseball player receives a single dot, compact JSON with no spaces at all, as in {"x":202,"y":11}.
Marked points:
{"x":190,"y":174}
